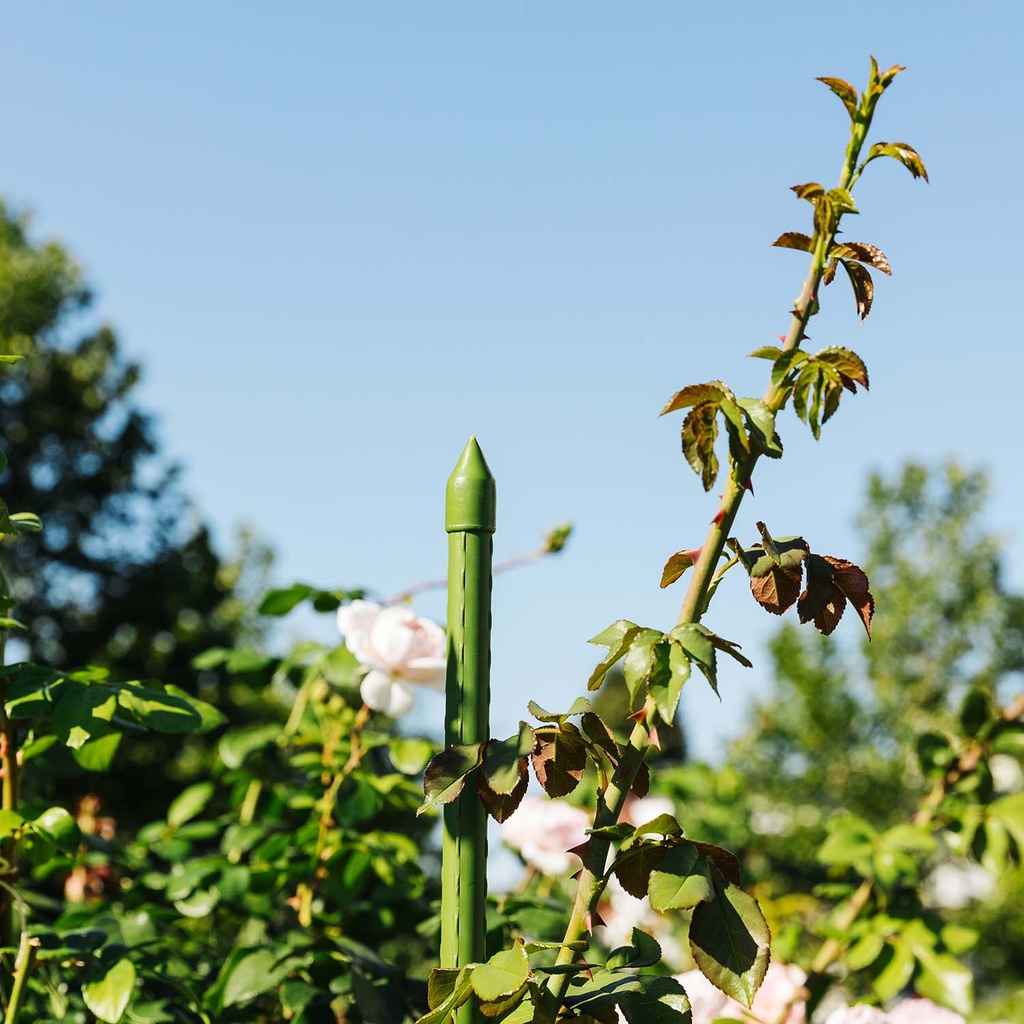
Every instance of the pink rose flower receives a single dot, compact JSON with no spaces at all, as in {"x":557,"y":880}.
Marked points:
{"x":923,"y":1011}
{"x":780,"y":983}
{"x":544,"y":831}
{"x":398,"y":648}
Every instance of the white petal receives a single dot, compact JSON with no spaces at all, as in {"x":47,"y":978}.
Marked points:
{"x":355,"y":623}
{"x":402,"y":700}
{"x":376,"y":690}
{"x":393,"y":640}
{"x":426,"y":672}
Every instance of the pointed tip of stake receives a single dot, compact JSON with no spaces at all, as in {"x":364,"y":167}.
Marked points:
{"x":470,"y":499}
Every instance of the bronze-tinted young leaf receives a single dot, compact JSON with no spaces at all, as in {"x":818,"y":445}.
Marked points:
{"x":842,"y":200}
{"x":846,"y":362}
{"x":504,"y":761}
{"x":697,"y":394}
{"x":501,"y":805}
{"x":771,"y":352}
{"x":830,"y":271}
{"x":700,"y":431}
{"x":783,"y":551}
{"x":863,"y":286}
{"x":558,"y":761}
{"x":794,"y":240}
{"x":830,"y":582}
{"x":634,"y":869}
{"x":825,"y":216}
{"x":675,"y":567}
{"x":853,"y":582}
{"x":446,"y":774}
{"x":641,"y":782}
{"x":845,"y":92}
{"x":863,"y":252}
{"x":730,"y":942}
{"x":811,"y":191}
{"x":906,"y":154}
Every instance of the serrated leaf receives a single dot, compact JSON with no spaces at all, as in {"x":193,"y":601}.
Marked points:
{"x":633,"y":870}
{"x":761,"y":427}
{"x":771,"y":352}
{"x":842,"y":200}
{"x":578,"y":707}
{"x":559,"y":759}
{"x":593,"y":725}
{"x":640,"y":660}
{"x":501,"y":806}
{"x":863,"y":287}
{"x":906,"y":154}
{"x":661,"y":1001}
{"x":457,"y":993}
{"x":730,"y":942}
{"x":697,"y":394}
{"x":788,"y":361}
{"x":729,"y":647}
{"x":617,"y":638}
{"x":794,"y":240}
{"x":845,"y":92}
{"x":666,"y":688}
{"x":695,"y":640}
{"x":675,"y":567}
{"x":862,"y":252}
{"x":699,"y":433}
{"x":501,"y":759}
{"x":724,"y":863}
{"x":846,"y":362}
{"x":446,"y":773}
{"x":643,"y":951}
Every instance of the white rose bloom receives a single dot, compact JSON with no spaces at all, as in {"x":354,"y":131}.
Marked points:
{"x":859,"y":1014}
{"x":400,"y":649}
{"x":544,"y":831}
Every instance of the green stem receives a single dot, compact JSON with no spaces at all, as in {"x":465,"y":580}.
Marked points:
{"x":591,"y":879}
{"x":22,"y":969}
{"x":9,"y":802}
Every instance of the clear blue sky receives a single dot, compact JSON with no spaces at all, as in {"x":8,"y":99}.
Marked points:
{"x":341,"y":237}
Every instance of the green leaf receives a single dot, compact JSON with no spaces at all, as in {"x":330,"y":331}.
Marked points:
{"x":640,"y":660}
{"x":675,"y":567}
{"x":246,"y":976}
{"x":26,"y":522}
{"x":845,"y":92}
{"x":97,"y":754}
{"x":578,"y":707}
{"x":696,"y":641}
{"x":157,"y":710}
{"x":771,"y":352}
{"x":187,"y":804}
{"x":976,"y":711}
{"x":633,"y":868}
{"x":661,"y":1001}
{"x":458,"y":993}
{"x":850,"y":840}
{"x":504,"y":973}
{"x":846,"y":362}
{"x":11,"y":822}
{"x":410,"y":755}
{"x":57,"y":825}
{"x":643,"y":951}
{"x":788,"y":361}
{"x":812,"y":191}
{"x":108,"y":998}
{"x":666,"y":688}
{"x":446,"y":774}
{"x":681,"y":880}
{"x":730,"y":942}
{"x":842,"y":200}
{"x":1009,"y":811}
{"x":761,"y":426}
{"x":501,"y":762}
{"x":896,"y":971}
{"x":617,"y":638}
{"x":283,"y":600}
{"x":699,"y":433}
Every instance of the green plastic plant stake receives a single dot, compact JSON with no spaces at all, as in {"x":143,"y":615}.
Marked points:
{"x":469,"y":520}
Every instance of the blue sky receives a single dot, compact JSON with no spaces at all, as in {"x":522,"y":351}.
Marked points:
{"x":343,"y":237}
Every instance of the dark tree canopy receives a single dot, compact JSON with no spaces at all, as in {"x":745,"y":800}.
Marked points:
{"x":123,"y":574}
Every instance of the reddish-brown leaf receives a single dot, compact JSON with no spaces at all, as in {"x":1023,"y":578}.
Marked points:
{"x":558,"y":761}
{"x":863,"y":252}
{"x":830,"y":582}
{"x":794,"y":240}
{"x":853,"y":582}
{"x":501,"y":805}
{"x":675,"y":567}
{"x":777,"y":589}
{"x":725,"y":863}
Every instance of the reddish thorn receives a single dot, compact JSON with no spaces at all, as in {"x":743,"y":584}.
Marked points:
{"x":781,"y":338}
{"x":719,"y":517}
{"x":638,"y":716}
{"x":579,"y":851}
{"x":748,"y":486}
{"x":588,"y":921}
{"x":653,"y":737}
{"x":693,"y":554}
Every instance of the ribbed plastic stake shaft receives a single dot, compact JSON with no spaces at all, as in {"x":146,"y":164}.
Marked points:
{"x":469,"y":520}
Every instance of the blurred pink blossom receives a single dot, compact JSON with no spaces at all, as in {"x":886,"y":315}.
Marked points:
{"x":780,"y":983}
{"x":399,"y":649}
{"x":859,"y":1014}
{"x":543,"y":831}
{"x":706,"y":1001}
{"x":923,"y":1011}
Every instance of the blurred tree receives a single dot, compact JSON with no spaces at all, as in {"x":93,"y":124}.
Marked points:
{"x":124,"y":574}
